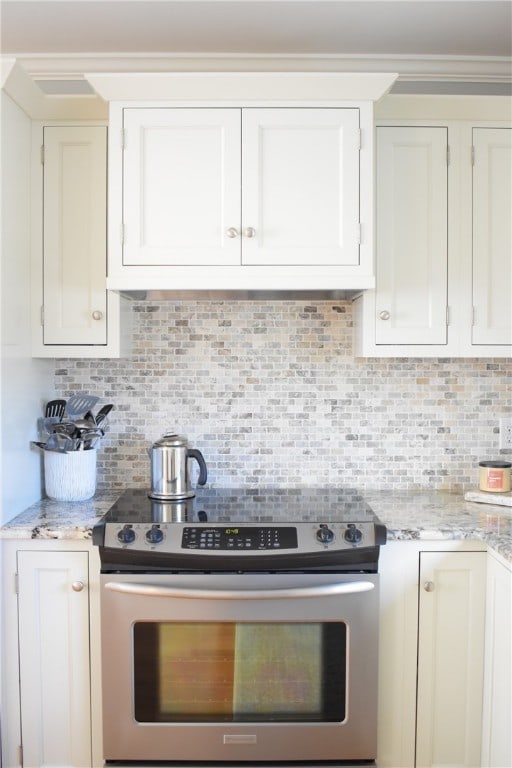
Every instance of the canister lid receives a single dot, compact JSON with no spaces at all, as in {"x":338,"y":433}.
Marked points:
{"x":496,"y":464}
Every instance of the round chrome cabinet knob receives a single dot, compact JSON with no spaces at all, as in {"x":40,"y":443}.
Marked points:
{"x":154,"y":535}
{"x":232,"y":232}
{"x":325,"y":535}
{"x":77,"y":586}
{"x":353,"y":535}
{"x":429,"y":586}
{"x":384,"y":315}
{"x":126,"y":535}
{"x":97,"y":315}
{"x":250,"y":232}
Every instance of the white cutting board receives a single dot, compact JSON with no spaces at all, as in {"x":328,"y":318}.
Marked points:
{"x":503,"y":499}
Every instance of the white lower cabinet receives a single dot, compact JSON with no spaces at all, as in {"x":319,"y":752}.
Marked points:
{"x":450,"y":658}
{"x":497,"y":728}
{"x":51,"y":691}
{"x":54,"y":658}
{"x":431,"y":655}
{"x":435,"y":678}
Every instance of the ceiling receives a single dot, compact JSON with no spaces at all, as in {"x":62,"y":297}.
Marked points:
{"x":449,"y":37}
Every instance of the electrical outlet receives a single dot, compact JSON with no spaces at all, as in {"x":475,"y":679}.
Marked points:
{"x":505,"y":434}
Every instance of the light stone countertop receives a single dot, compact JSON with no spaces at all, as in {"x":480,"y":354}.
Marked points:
{"x":408,"y":515}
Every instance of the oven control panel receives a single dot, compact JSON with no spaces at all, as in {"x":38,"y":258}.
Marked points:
{"x":239,"y":538}
{"x":187,"y":539}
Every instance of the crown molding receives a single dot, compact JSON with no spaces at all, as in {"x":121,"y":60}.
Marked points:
{"x":242,"y":86}
{"x":25,"y":92}
{"x":19,"y":74}
{"x":448,"y":68}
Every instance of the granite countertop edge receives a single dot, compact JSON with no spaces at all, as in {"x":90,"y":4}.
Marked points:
{"x":417,"y":515}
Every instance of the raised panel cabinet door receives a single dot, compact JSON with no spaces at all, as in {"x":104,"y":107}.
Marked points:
{"x":497,"y":730}
{"x":452,"y":590}
{"x":75,"y":235}
{"x":492,"y":236}
{"x":411,"y":235}
{"x":300,"y":201}
{"x":181,"y":187}
{"x":54,"y":658}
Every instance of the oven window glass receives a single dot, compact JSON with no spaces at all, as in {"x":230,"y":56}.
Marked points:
{"x":239,"y":672}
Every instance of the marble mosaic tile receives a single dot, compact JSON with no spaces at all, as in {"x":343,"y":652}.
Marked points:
{"x":272,"y":394}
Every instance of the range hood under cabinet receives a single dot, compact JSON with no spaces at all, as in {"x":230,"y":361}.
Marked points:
{"x":267,"y":188}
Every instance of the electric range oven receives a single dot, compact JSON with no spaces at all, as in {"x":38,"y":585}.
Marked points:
{"x":240,"y":626}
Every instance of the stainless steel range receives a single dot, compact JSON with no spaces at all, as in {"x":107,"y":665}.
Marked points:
{"x":240,"y":625}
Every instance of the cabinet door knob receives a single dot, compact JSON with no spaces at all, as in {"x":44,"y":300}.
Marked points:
{"x":232,"y":232}
{"x":77,"y":586}
{"x":384,"y":315}
{"x":250,"y":232}
{"x":97,"y":315}
{"x":429,"y":586}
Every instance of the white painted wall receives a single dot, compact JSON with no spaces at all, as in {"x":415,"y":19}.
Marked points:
{"x":25,"y":383}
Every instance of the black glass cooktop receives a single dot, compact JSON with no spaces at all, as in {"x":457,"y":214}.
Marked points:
{"x":245,"y":505}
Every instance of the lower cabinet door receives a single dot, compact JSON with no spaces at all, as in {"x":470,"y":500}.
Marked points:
{"x":54,"y":658}
{"x":497,"y":731}
{"x":452,"y":590}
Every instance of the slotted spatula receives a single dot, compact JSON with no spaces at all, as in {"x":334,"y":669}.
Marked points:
{"x":55,"y":408}
{"x":78,"y":405}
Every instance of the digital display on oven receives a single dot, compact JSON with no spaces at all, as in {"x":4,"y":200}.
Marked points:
{"x":239,"y":538}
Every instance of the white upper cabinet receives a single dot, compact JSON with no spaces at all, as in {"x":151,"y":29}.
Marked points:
{"x":73,"y":314}
{"x":240,"y":187}
{"x":492,"y":235}
{"x":443,"y":236}
{"x":74,"y":235}
{"x":411,"y":235}
{"x":300,"y":186}
{"x":181,"y":186}
{"x":241,"y":181}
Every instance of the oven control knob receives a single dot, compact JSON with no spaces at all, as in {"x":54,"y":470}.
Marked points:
{"x":353,"y":535}
{"x":324,"y":534}
{"x":126,"y":535}
{"x":154,"y":535}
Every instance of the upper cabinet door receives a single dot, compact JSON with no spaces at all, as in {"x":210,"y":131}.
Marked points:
{"x":412,"y":233}
{"x":492,"y":236}
{"x":300,"y":200}
{"x":75,"y":235}
{"x":181,"y":187}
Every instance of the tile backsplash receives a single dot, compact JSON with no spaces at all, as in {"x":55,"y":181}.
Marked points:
{"x":271,"y":393}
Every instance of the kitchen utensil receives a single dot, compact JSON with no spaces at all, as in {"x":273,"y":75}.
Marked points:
{"x":170,"y":475}
{"x":103,"y":413}
{"x":55,"y":408}
{"x":87,"y":436}
{"x":78,"y":405}
{"x":59,"y":442}
{"x":45,"y":425}
{"x":66,"y":428}
{"x":38,"y":444}
{"x":85,"y":423}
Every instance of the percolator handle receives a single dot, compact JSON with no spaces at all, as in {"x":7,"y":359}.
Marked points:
{"x":194,"y":453}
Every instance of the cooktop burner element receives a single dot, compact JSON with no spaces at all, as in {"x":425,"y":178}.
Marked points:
{"x":241,"y":529}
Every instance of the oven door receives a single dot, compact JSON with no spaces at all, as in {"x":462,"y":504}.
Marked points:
{"x":239,"y":667}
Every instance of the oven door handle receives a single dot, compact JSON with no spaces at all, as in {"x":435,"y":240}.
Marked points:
{"x":323,"y":590}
